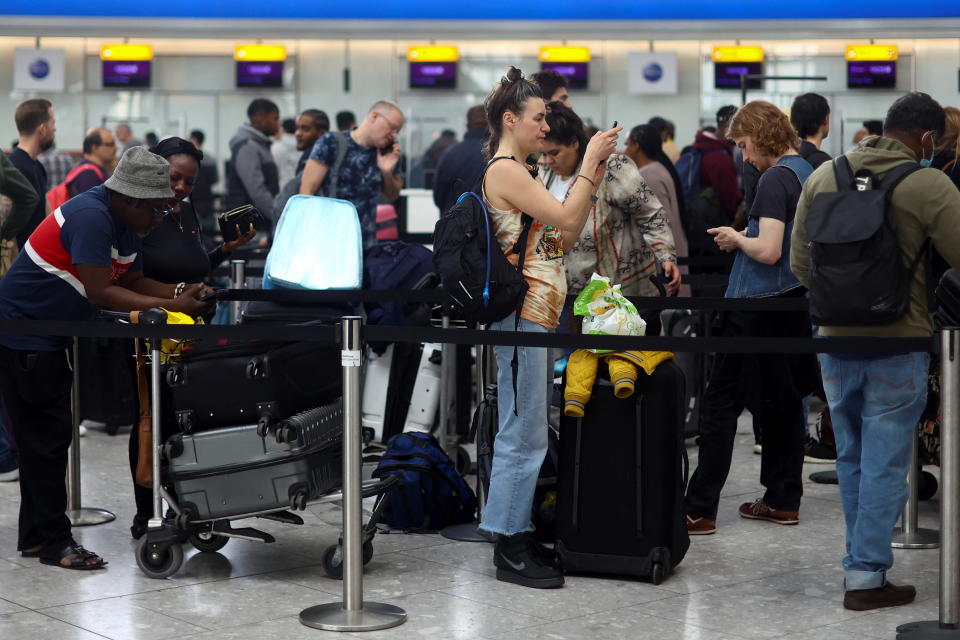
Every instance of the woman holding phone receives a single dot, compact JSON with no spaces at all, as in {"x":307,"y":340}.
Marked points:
{"x":174,"y":253}
{"x":516,"y":114}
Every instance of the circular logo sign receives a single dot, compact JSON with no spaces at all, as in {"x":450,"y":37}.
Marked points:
{"x":39,"y":68}
{"x":653,"y":72}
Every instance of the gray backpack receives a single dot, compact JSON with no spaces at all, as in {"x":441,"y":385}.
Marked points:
{"x":292,"y":187}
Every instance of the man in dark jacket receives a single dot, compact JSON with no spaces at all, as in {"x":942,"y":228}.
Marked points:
{"x":252,"y":177}
{"x":461,"y":165}
{"x":810,"y":116}
{"x":36,"y":127}
{"x":717,"y":169}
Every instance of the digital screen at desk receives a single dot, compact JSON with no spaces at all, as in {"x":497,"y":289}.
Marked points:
{"x":576,"y":73}
{"x":726,"y":75}
{"x":121,"y":74}
{"x":433,"y":75}
{"x":260,"y":74}
{"x":871,"y":75}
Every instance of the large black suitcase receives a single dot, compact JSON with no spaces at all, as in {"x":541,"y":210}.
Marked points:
{"x":234,"y":471}
{"x":219,"y":385}
{"x":687,"y":323}
{"x":623,"y":471}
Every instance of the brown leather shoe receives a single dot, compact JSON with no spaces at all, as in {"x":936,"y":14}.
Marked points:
{"x":700,"y":526}
{"x":760,"y":510}
{"x":886,"y":596}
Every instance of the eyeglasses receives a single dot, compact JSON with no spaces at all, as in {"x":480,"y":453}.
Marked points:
{"x":396,"y":127}
{"x":108,"y":144}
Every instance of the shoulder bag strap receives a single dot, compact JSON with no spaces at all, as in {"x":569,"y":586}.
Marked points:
{"x":843,"y":172}
{"x":342,"y":144}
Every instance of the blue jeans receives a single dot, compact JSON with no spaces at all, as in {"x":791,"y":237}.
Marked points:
{"x":875,"y":405}
{"x":521,"y":442}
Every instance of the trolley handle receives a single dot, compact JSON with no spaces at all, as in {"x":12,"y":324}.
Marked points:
{"x":152,"y":316}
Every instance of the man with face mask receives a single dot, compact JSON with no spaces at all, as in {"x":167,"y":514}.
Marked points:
{"x":366,"y":168}
{"x":877,"y":399}
{"x":37,"y":127}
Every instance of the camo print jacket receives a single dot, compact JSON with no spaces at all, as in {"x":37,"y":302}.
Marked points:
{"x":626,"y":235}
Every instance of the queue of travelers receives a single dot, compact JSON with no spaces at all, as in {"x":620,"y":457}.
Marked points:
{"x":130,"y":237}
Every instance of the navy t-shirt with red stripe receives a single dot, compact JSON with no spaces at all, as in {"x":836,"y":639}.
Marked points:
{"x":43,"y":283}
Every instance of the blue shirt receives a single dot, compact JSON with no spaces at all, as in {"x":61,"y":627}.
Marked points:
{"x":43,"y":283}
{"x":359,"y":181}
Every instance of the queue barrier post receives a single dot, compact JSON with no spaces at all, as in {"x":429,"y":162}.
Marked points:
{"x":909,"y":535}
{"x":79,"y":515}
{"x":948,"y":623}
{"x":353,"y":614}
{"x":238,"y":280}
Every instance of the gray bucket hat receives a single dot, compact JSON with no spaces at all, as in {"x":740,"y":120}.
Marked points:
{"x":141,"y":174}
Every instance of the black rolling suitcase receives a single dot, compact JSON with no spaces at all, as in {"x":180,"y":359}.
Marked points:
{"x":220,"y":385}
{"x":687,"y":323}
{"x":233,"y":471}
{"x":623,"y":474}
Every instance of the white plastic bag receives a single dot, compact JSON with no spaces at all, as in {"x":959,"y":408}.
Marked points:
{"x":606,"y":312}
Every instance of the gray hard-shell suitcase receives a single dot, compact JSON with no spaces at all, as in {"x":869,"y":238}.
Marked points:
{"x":232,"y":471}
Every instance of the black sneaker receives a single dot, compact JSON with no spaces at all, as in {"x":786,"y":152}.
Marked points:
{"x":815,"y":452}
{"x":520,"y":560}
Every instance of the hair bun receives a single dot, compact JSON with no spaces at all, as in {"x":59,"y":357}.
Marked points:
{"x":513,"y":75}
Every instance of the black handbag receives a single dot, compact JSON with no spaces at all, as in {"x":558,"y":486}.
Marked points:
{"x":243,"y":217}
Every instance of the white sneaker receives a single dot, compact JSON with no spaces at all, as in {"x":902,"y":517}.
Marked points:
{"x":82,"y":431}
{"x":10,"y":476}
{"x":758,"y":449}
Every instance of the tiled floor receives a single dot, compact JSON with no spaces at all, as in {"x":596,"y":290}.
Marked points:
{"x":750,"y":580}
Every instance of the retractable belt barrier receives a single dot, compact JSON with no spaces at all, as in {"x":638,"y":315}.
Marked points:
{"x":330,"y":334}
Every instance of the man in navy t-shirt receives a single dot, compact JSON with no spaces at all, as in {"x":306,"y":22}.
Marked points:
{"x":85,"y":254}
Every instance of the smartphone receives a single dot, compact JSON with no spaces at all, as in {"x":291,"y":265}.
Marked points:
{"x":387,"y":149}
{"x":209,"y":296}
{"x":614,"y":125}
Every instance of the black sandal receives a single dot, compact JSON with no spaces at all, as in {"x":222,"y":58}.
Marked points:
{"x":80,"y":557}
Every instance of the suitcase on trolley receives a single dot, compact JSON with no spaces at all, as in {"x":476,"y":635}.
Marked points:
{"x":233,"y":471}
{"x":623,"y":471}
{"x":221,"y":385}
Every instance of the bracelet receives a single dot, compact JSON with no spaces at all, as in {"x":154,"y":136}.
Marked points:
{"x":580,"y":175}
{"x":178,"y":290}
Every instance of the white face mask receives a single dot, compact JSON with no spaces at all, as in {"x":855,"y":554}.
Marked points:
{"x":925,"y":161}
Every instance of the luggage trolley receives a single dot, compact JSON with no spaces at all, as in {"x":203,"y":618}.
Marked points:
{"x":159,"y":553}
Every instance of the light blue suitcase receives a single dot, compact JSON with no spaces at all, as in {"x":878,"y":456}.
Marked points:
{"x":317,"y":245}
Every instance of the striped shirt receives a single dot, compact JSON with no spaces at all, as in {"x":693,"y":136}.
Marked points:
{"x":44,"y":283}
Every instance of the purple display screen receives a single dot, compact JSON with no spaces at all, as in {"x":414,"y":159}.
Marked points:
{"x":260,"y":74}
{"x":118,"y":73}
{"x":433,"y":75}
{"x":871,"y":75}
{"x":726,"y":75}
{"x":575,"y":72}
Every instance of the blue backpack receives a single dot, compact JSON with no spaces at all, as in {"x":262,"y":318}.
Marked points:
{"x":688,"y":168}
{"x":431,"y":494}
{"x":701,"y":208}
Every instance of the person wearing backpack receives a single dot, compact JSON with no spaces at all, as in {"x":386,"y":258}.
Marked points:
{"x":524,"y":213}
{"x":876,"y":399}
{"x":771,"y":386}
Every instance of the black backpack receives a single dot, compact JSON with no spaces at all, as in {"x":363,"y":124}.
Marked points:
{"x":482,"y":284}
{"x":853,"y":234}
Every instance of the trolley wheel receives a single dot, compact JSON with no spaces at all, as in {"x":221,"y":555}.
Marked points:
{"x":207,"y":542}
{"x":367,"y":552}
{"x":263,"y":428}
{"x":285,"y":434}
{"x":182,"y":521}
{"x":158,"y":561}
{"x":333,"y":562}
{"x":656,"y":574}
{"x":927,"y":487}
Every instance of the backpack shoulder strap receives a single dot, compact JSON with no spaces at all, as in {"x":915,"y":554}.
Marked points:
{"x":80,"y":168}
{"x":893,"y":177}
{"x":342,"y":145}
{"x":843,"y":172}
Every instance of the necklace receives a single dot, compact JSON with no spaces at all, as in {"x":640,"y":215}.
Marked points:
{"x":176,"y":219}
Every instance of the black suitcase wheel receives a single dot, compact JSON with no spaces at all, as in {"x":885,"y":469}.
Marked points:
{"x":158,"y":561}
{"x":207,"y":542}
{"x":286,"y":434}
{"x":657,"y":573}
{"x":333,"y":562}
{"x":927,"y":487}
{"x":299,"y":499}
{"x":333,"y":559}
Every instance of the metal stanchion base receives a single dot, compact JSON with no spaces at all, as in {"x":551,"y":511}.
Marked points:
{"x":919,"y":539}
{"x":333,"y":617}
{"x":824,"y":477}
{"x":87,"y":517}
{"x":469,"y":532}
{"x":929,"y":629}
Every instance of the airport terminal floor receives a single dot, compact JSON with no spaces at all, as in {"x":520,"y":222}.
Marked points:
{"x":751,"y":579}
